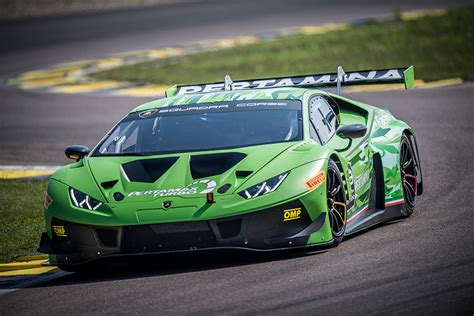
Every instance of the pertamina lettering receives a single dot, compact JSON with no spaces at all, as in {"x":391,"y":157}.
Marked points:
{"x":197,"y":187}
{"x":374,"y":76}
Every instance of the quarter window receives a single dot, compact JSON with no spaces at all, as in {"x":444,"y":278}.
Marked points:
{"x":323,"y":119}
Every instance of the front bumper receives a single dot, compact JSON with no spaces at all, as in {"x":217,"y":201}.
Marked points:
{"x":284,"y":226}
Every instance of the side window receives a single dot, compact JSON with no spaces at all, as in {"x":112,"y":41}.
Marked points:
{"x":323,"y":119}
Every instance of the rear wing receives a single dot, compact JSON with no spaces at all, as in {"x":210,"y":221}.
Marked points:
{"x":404,"y":75}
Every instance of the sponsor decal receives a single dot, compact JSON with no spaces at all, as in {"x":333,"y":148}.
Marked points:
{"x":384,"y":119}
{"x":146,"y":114}
{"x":292,"y":214}
{"x":351,"y":200}
{"x":263,"y":104}
{"x":193,"y":108}
{"x":373,"y":76}
{"x":228,"y":106}
{"x":197,"y":187}
{"x":60,"y":231}
{"x":360,"y":181}
{"x":316,"y":181}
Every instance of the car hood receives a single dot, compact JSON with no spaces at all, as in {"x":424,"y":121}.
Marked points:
{"x":134,"y":179}
{"x":183,"y":174}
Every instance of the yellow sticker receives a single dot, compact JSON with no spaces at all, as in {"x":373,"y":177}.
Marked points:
{"x":291,"y":214}
{"x":60,"y":231}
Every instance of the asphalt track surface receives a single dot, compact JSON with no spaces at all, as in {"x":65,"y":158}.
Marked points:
{"x":423,"y":264}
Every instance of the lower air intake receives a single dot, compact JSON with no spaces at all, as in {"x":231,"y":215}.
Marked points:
{"x":230,"y":229}
{"x":167,"y":237}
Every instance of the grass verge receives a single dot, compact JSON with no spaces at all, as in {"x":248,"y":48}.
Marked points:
{"x":440,"y":47}
{"x":21,"y":217}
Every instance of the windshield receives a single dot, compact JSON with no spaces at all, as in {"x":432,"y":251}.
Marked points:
{"x":204,"y":127}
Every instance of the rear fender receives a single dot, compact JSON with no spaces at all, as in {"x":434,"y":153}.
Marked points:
{"x":385,"y":141}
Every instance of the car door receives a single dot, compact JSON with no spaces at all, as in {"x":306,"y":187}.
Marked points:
{"x":357,"y":155}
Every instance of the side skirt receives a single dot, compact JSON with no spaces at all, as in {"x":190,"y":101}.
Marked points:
{"x":367,"y":218}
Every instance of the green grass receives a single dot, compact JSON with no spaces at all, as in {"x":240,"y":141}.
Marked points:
{"x":21,"y":217}
{"x":440,"y":47}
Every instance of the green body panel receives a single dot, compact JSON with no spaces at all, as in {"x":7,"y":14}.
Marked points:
{"x":303,"y":160}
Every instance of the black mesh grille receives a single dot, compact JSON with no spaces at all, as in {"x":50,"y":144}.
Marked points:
{"x":165,"y":237}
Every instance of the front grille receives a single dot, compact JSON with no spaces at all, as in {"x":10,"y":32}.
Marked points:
{"x":166,"y":237}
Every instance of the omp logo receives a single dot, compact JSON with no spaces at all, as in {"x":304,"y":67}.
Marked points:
{"x":60,"y":231}
{"x":316,"y":181}
{"x":291,"y":214}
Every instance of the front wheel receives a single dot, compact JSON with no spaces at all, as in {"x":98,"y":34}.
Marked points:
{"x":336,"y":200}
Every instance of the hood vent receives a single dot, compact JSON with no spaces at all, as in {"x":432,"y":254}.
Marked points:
{"x":147,"y":170}
{"x":243,"y":173}
{"x":203,"y":166}
{"x":109,"y":184}
{"x":306,"y":146}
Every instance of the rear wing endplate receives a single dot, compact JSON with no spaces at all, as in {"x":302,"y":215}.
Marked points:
{"x":405,"y":75}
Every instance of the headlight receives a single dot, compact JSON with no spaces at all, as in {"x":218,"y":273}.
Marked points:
{"x":263,"y":188}
{"x":82,"y":200}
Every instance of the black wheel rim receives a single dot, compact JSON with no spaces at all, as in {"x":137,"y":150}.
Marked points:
{"x":336,"y":203}
{"x":408,"y":172}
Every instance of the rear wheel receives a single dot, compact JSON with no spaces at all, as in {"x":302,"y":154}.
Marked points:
{"x":336,"y":201}
{"x":408,"y":170}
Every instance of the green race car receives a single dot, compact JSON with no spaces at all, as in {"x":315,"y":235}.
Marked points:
{"x":261,"y":165}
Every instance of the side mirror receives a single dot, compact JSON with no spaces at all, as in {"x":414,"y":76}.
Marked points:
{"x":76,"y":152}
{"x":352,"y":131}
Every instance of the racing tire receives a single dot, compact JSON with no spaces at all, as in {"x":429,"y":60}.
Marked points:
{"x":336,"y":201}
{"x":408,"y":173}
